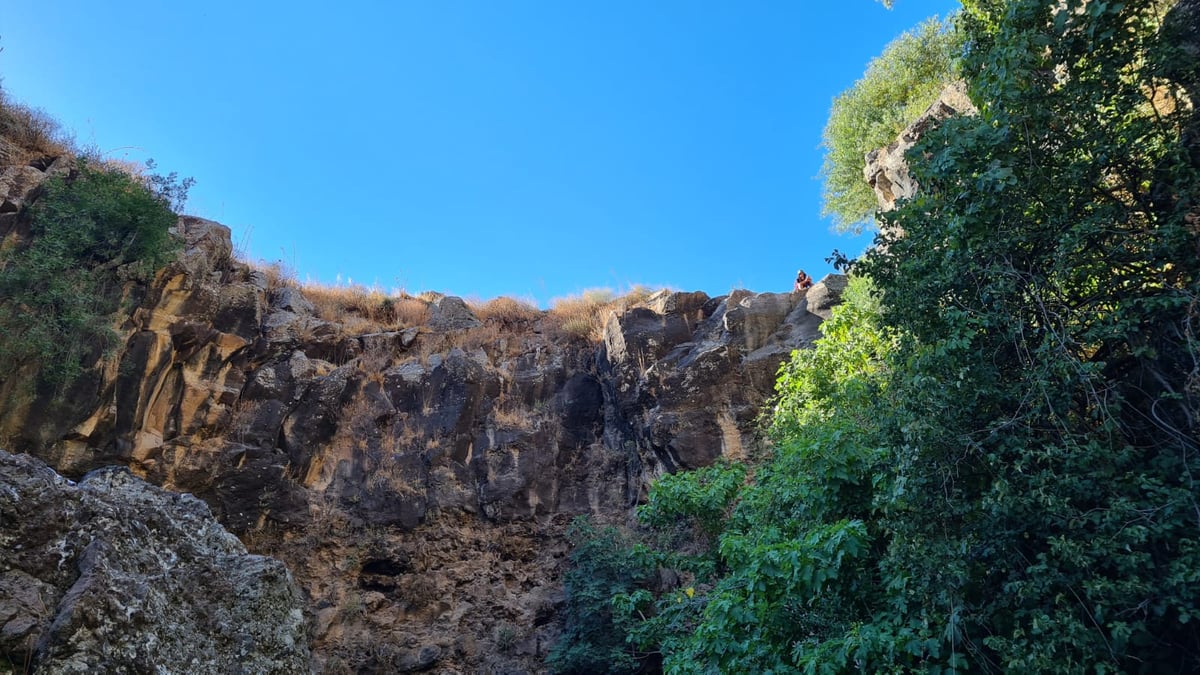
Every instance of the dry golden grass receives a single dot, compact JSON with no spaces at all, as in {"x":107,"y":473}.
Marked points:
{"x":128,"y":167}
{"x":410,"y":311}
{"x":637,"y":295}
{"x":361,"y":309}
{"x":584,"y":315}
{"x":514,"y":417}
{"x":506,"y":311}
{"x":278,"y":275}
{"x":30,"y":132}
{"x":366,"y":309}
{"x":487,"y":337}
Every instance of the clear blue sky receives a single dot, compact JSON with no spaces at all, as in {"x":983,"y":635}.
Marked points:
{"x":479,"y":148}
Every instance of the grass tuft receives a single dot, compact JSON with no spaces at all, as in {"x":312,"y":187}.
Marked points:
{"x":583,"y":316}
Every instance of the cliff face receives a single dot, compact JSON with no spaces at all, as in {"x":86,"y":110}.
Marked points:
{"x":416,"y":480}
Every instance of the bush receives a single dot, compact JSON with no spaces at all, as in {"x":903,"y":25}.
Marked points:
{"x":701,"y":497}
{"x":791,"y":541}
{"x":897,"y":87}
{"x":604,"y":563}
{"x":88,"y":234}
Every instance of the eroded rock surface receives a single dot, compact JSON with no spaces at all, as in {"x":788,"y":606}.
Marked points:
{"x":115,"y":575}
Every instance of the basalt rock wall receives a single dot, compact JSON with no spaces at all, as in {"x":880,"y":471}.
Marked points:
{"x":416,"y":478}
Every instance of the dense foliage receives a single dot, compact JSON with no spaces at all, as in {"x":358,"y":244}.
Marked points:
{"x":1046,"y":286}
{"x":794,"y":542}
{"x":898,"y":86}
{"x":89,"y":232}
{"x":989,"y":460}
{"x":604,"y":563}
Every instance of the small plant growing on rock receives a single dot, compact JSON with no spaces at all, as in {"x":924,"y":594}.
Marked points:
{"x":506,"y":636}
{"x":604,"y":563}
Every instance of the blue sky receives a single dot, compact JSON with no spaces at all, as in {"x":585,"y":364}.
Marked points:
{"x":506,"y":147}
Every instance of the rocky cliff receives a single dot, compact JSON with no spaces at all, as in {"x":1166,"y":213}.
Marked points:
{"x":415,"y":476}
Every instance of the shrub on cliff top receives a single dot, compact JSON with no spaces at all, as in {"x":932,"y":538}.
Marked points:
{"x":89,"y":232}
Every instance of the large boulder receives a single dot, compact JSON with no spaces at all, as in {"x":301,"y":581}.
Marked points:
{"x":17,"y":183}
{"x":115,"y":575}
{"x":450,"y":313}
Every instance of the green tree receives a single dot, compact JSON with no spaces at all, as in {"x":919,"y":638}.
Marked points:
{"x":990,"y":462}
{"x":897,"y":87}
{"x":792,"y":541}
{"x":1046,"y":291}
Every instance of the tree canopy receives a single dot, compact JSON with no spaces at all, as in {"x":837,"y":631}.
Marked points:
{"x":989,"y":461}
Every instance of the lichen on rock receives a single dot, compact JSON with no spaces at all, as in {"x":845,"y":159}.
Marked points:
{"x":115,"y":575}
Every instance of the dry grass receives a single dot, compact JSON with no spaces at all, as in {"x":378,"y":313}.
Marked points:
{"x":30,"y":132}
{"x":390,"y":475}
{"x":584,"y":315}
{"x":514,"y":416}
{"x":506,"y":311}
{"x":278,"y":275}
{"x":360,"y":309}
{"x":487,"y":337}
{"x":373,"y":306}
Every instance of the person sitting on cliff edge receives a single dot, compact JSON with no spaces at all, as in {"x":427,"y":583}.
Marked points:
{"x":803,"y":282}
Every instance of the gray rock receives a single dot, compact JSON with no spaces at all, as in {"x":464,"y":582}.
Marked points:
{"x":17,"y":184}
{"x":826,"y":294}
{"x":390,"y":342}
{"x":291,"y":299}
{"x":116,"y":575}
{"x":207,"y":237}
{"x":420,"y":659}
{"x":758,"y":316}
{"x":451,"y":313}
{"x":677,"y":302}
